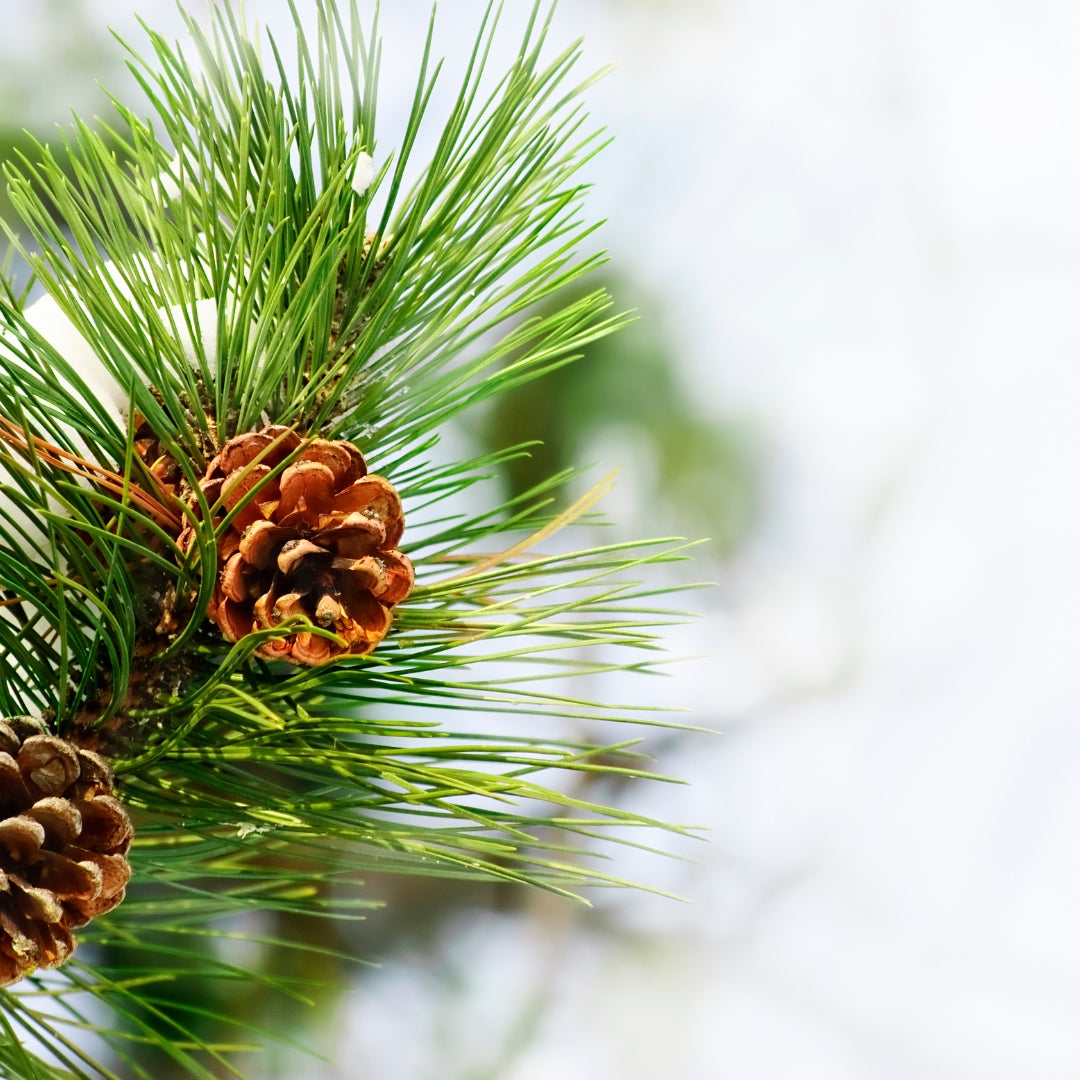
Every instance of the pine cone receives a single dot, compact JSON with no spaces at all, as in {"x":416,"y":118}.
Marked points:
{"x":318,"y":540}
{"x":63,"y":842}
{"x":161,"y":465}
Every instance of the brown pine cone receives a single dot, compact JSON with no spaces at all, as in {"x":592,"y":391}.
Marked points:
{"x":161,"y":465}
{"x":63,"y":842}
{"x":318,"y":539}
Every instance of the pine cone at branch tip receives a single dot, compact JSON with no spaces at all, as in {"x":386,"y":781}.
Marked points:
{"x":318,"y":539}
{"x":64,"y":839}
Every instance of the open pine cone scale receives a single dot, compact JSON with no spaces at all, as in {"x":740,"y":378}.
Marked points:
{"x":64,"y":839}
{"x":317,"y":538}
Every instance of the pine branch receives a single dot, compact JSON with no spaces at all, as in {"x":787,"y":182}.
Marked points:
{"x":240,"y":291}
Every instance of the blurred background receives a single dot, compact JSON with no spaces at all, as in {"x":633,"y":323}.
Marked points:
{"x":852,"y":230}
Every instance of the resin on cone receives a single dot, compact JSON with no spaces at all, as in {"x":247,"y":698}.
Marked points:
{"x":317,"y":538}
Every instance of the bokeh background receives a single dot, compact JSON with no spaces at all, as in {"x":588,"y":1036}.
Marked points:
{"x":852,"y":228}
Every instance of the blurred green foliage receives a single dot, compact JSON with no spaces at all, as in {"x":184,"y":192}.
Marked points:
{"x":39,"y":88}
{"x":700,"y":480}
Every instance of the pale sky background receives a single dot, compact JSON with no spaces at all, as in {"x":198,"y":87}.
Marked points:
{"x":862,"y":218}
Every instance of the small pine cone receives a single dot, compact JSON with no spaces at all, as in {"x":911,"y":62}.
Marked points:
{"x":160,"y":464}
{"x":63,"y":845}
{"x":317,"y":540}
